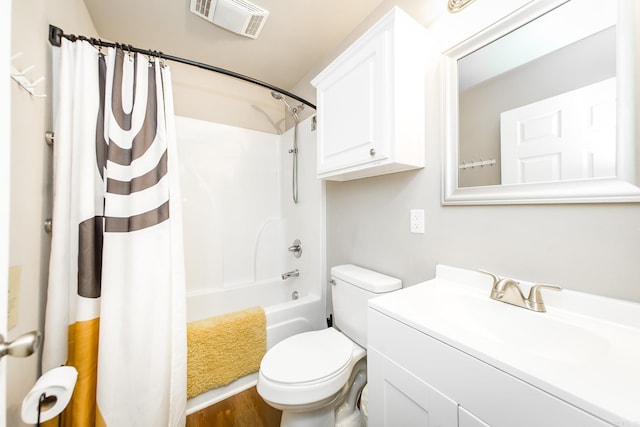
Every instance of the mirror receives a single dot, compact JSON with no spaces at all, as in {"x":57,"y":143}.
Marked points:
{"x":540,"y":107}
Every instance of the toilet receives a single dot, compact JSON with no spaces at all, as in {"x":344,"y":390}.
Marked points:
{"x":315,"y":378}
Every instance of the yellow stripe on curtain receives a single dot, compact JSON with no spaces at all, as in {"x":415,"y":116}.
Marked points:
{"x":83,"y":355}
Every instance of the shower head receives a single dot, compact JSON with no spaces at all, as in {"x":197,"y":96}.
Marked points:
{"x":292,"y":111}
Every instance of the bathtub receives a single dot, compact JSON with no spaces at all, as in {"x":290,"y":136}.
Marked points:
{"x":283,"y":320}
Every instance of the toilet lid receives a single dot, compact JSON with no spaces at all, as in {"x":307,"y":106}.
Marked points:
{"x":307,"y":357}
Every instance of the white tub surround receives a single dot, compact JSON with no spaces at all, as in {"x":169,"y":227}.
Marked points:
{"x":239,"y":223}
{"x":239,"y":219}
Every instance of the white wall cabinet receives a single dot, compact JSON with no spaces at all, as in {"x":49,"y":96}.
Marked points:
{"x":370,"y":102}
{"x":413,"y":376}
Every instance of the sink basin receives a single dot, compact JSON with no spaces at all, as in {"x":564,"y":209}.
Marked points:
{"x":585,"y":348}
{"x":553,"y":335}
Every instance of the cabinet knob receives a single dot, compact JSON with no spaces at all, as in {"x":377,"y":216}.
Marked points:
{"x":372,"y":152}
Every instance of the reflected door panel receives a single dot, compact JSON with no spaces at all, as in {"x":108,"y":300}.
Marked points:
{"x":565,"y":137}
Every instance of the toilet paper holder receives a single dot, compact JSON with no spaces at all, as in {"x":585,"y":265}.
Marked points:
{"x":50,"y":395}
{"x":44,"y":403}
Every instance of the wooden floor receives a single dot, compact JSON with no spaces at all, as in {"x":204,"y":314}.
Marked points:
{"x":246,"y":409}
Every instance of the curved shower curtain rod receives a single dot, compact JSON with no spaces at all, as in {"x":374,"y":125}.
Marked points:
{"x":55,"y":39}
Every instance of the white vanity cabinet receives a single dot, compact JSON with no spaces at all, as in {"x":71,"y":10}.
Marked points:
{"x":407,"y":400}
{"x":415,"y":379}
{"x":370,"y":103}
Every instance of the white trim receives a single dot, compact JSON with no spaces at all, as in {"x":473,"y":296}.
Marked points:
{"x":5,"y":175}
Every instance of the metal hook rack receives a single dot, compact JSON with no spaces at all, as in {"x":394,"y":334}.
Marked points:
{"x":20,"y":76}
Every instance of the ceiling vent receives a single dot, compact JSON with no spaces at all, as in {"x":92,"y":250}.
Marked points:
{"x":240,"y":16}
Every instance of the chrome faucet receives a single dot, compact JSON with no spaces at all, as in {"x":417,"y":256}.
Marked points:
{"x":508,"y":290}
{"x":289,"y":274}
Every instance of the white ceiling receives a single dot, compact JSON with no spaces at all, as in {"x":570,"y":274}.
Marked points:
{"x":296,"y":36}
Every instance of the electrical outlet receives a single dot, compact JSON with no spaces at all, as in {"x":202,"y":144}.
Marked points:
{"x":416,"y":218}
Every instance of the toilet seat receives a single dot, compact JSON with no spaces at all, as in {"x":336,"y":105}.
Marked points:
{"x":308,"y":357}
{"x":307,"y":367}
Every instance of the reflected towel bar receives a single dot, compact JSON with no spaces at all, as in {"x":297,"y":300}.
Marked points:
{"x":465,"y":165}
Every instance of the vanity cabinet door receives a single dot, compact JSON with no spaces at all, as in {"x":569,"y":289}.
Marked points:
{"x":399,"y":398}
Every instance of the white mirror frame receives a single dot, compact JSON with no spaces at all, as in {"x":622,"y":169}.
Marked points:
{"x":622,"y":188}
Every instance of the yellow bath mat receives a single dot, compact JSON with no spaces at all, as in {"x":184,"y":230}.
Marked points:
{"x":224,"y":348}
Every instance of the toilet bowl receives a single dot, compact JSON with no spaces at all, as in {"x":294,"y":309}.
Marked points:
{"x":315,"y":378}
{"x":307,"y":375}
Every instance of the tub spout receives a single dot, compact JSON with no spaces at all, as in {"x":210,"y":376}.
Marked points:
{"x":288,"y":274}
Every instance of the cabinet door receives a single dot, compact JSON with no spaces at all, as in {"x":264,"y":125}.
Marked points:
{"x":353,"y":117}
{"x":399,"y":398}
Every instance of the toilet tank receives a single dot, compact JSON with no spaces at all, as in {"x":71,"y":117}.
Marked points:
{"x":352,"y":287}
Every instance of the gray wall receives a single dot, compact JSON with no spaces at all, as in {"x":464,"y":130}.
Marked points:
{"x":586,"y":247}
{"x":590,"y":248}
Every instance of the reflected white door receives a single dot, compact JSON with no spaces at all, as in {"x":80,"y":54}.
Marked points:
{"x":569,"y":136}
{"x":5,"y":135}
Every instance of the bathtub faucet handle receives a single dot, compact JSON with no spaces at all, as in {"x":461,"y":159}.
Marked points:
{"x":296,"y":249}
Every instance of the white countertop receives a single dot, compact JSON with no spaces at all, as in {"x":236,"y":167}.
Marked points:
{"x":584,"y":350}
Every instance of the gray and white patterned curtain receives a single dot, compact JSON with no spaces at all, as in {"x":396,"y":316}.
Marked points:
{"x":116,"y":297}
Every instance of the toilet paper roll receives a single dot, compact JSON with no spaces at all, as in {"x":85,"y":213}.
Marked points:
{"x":57,"y":385}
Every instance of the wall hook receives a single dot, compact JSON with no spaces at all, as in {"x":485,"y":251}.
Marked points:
{"x":20,"y":76}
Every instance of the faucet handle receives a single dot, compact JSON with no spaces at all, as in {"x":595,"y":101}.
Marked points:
{"x":496,"y":279}
{"x":535,"y":297}
{"x":296,"y":248}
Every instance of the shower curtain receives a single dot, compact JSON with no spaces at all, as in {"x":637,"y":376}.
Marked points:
{"x":116,"y":297}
